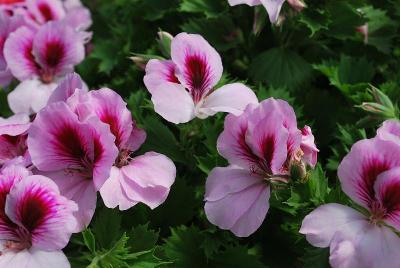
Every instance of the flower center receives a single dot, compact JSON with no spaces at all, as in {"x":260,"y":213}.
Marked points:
{"x":123,"y":159}
{"x":378,"y":212}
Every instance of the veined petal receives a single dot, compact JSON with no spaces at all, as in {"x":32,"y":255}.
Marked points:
{"x":57,"y":48}
{"x":158,"y":72}
{"x":273,"y":8}
{"x":268,"y":139}
{"x":18,"y":54}
{"x":148,"y":178}
{"x":80,"y":190}
{"x":387,"y":189}
{"x":390,"y":131}
{"x":66,"y":88}
{"x":308,"y":146}
{"x":35,"y":204}
{"x":360,"y":168}
{"x":173,"y":103}
{"x":113,"y":194}
{"x":199,"y":66}
{"x":8,"y":177}
{"x":30,"y":96}
{"x":46,"y":10}
{"x":242,"y":212}
{"x":321,"y":225}
{"x":34,"y":258}
{"x":14,"y":125}
{"x":231,"y":98}
{"x":247,"y":2}
{"x":78,"y":18}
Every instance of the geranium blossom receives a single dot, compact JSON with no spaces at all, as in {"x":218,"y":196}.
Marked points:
{"x":370,"y":176}
{"x":13,"y":135}
{"x":273,"y":7}
{"x":39,"y":59}
{"x":36,"y":222}
{"x":261,"y":145}
{"x":183,"y":88}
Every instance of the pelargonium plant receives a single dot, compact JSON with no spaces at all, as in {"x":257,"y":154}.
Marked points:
{"x":245,"y":133}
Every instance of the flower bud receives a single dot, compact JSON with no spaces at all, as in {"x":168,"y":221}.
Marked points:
{"x":164,"y":42}
{"x":297,"y":5}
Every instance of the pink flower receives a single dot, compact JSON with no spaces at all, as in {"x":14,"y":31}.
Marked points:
{"x":308,"y":146}
{"x":7,"y":26}
{"x":370,"y":176}
{"x":36,"y":222}
{"x":260,"y":145}
{"x":390,"y":131}
{"x":146,"y":178}
{"x":189,"y":79}
{"x":13,"y":135}
{"x":77,"y":155}
{"x":273,"y":7}
{"x":39,"y":59}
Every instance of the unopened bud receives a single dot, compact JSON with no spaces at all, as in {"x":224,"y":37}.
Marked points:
{"x":164,"y":41}
{"x":298,"y":170}
{"x":297,"y":5}
{"x":363,"y":29}
{"x":139,"y":61}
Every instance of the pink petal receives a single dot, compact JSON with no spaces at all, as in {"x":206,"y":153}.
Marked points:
{"x":18,"y":54}
{"x":173,"y":103}
{"x":148,"y":179}
{"x":66,"y":88}
{"x":34,"y":258}
{"x":46,"y":10}
{"x":308,"y":147}
{"x":247,"y":2}
{"x":387,"y":189}
{"x":14,"y":125}
{"x":9,"y":176}
{"x":12,"y":149}
{"x":390,"y":131}
{"x":268,"y":139}
{"x":86,"y":148}
{"x":321,"y":225}
{"x":273,"y":8}
{"x":35,"y":204}
{"x":78,"y":18}
{"x":231,"y":98}
{"x":232,"y":143}
{"x":359,"y":169}
{"x":57,"y":48}
{"x":136,"y":139}
{"x":158,"y":72}
{"x":80,"y":190}
{"x":199,"y":66}
{"x":113,"y":193}
{"x":241,"y":212}
{"x":30,"y":96}
{"x":111,"y":109}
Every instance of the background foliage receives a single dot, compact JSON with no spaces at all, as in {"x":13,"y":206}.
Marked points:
{"x":316,"y":60}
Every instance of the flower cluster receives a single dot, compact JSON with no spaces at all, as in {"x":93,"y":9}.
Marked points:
{"x":40,"y":42}
{"x":84,"y":142}
{"x":262,"y":146}
{"x":370,"y":176}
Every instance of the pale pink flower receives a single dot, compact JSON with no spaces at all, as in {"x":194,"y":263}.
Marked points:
{"x":36,"y":222}
{"x":39,"y":59}
{"x":77,"y":155}
{"x":260,"y":145}
{"x":13,"y":135}
{"x":370,"y":176}
{"x":183,"y":88}
{"x":273,"y":7}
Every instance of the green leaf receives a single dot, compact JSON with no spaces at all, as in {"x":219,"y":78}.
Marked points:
{"x":141,"y":238}
{"x":280,"y":68}
{"x":316,"y":258}
{"x":182,"y":248}
{"x":318,"y":186}
{"x":106,"y":227}
{"x":89,"y":240}
{"x":105,"y":53}
{"x":238,"y":256}
{"x":345,"y":19}
{"x":315,"y":20}
{"x":210,"y":8}
{"x":355,"y":70}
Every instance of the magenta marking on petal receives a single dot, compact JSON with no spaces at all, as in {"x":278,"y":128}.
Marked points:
{"x":4,"y":220}
{"x":243,"y":150}
{"x":98,"y":149}
{"x":46,"y":12}
{"x":171,"y":77}
{"x":267,"y":146}
{"x":34,"y":208}
{"x":198,"y":75}
{"x":112,"y":120}
{"x":370,"y":172}
{"x":391,"y":197}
